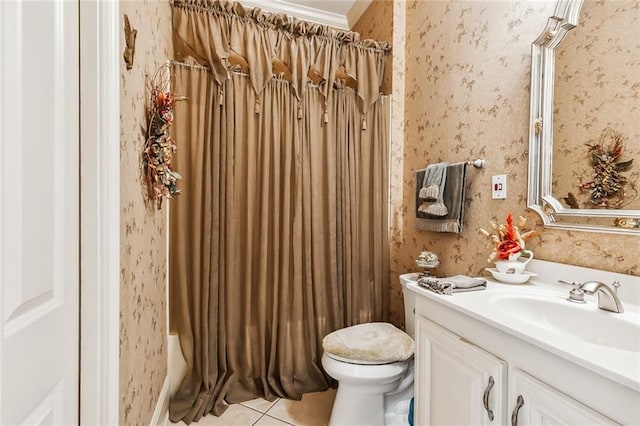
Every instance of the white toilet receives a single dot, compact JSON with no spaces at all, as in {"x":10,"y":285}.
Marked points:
{"x":373,"y":364}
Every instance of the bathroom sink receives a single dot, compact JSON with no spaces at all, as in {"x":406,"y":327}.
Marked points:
{"x":580,"y":321}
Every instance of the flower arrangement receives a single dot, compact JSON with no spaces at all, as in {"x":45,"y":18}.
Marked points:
{"x":160,"y":145}
{"x":507,"y":239}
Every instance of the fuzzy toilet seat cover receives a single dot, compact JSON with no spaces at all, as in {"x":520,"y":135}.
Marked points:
{"x":375,"y":341}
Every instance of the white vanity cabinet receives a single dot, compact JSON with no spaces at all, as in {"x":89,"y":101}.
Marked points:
{"x":456,"y":382}
{"x":460,"y":383}
{"x":532,"y":402}
{"x":458,"y":352}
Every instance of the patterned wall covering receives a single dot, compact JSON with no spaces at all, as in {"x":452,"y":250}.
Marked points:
{"x":143,"y":357}
{"x":597,"y":85}
{"x":377,"y":23}
{"x":467,"y":95}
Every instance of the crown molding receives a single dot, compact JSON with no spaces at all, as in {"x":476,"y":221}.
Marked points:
{"x":357,"y":10}
{"x":301,"y":12}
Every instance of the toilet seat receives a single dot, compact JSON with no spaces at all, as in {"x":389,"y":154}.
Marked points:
{"x":356,"y":361}
{"x":378,"y":374}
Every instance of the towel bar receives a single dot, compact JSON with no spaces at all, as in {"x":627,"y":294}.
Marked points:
{"x":478,"y":163}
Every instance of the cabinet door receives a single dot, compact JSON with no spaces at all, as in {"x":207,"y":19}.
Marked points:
{"x":457,"y":383}
{"x":533,"y":403}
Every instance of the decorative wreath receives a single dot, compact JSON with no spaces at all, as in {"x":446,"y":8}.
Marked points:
{"x":161,"y":178}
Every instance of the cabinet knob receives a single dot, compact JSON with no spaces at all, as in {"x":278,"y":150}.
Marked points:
{"x":514,"y":415}
{"x":485,"y":398}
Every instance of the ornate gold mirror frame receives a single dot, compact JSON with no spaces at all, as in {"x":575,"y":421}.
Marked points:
{"x":539,"y":197}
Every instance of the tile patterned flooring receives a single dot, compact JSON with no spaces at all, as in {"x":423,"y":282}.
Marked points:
{"x":313,"y":410}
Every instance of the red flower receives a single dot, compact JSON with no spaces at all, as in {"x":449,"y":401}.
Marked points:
{"x":508,"y":247}
{"x":160,"y":99}
{"x":510,"y":234}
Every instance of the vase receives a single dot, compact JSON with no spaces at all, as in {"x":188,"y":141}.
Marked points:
{"x":513,"y":265}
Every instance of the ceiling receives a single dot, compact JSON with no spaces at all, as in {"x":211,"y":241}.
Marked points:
{"x":341,"y":14}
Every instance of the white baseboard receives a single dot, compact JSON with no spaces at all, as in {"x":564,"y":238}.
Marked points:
{"x":161,"y":413}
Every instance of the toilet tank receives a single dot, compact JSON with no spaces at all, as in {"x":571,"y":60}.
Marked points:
{"x":409,"y":303}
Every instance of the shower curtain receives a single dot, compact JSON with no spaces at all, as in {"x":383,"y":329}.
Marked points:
{"x":280,"y":234}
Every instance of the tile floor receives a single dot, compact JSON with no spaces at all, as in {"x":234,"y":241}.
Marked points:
{"x":313,"y":410}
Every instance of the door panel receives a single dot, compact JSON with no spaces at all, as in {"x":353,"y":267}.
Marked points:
{"x":39,"y":212}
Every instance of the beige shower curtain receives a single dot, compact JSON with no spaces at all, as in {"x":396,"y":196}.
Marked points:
{"x":280,"y":234}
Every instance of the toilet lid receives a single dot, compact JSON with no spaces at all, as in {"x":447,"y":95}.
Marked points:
{"x":375,"y":342}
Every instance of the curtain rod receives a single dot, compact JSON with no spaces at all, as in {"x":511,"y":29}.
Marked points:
{"x":186,"y":65}
{"x":207,"y":69}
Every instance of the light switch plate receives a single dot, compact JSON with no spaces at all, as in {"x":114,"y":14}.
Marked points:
{"x":499,"y":187}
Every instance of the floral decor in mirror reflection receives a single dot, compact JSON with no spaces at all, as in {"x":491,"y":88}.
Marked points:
{"x":610,"y":187}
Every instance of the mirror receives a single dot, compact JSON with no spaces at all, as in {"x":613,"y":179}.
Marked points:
{"x":584,"y":138}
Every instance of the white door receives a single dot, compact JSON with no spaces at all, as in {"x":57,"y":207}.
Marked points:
{"x":39,"y":212}
{"x":534,"y":403}
{"x":457,"y":383}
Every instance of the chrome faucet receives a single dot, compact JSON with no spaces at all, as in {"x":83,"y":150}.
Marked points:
{"x":607,"y":294}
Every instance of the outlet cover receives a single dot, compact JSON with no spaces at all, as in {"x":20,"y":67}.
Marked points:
{"x":499,"y":187}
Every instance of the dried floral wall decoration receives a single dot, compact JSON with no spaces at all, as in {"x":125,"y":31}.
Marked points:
{"x":162,"y":180}
{"x":609,"y":187}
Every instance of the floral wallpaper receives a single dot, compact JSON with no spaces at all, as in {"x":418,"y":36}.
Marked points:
{"x":597,"y":86}
{"x":143,"y":334}
{"x":466,"y":80}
